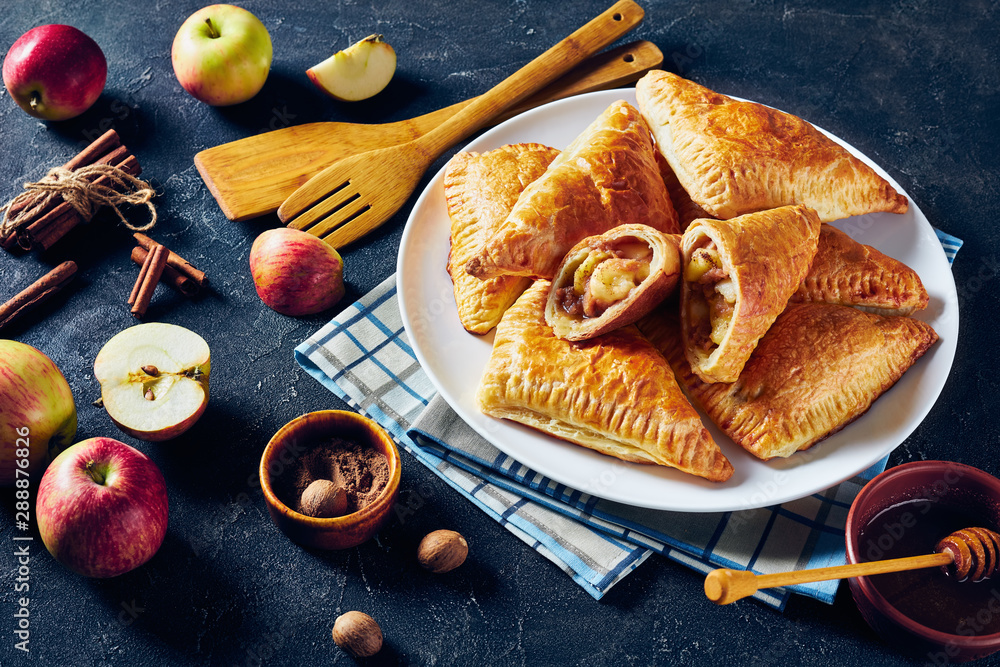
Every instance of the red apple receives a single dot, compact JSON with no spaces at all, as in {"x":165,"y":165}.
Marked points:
{"x":102,"y":508}
{"x":55,"y":72}
{"x":221,"y":55}
{"x":37,"y":412}
{"x":296,"y":273}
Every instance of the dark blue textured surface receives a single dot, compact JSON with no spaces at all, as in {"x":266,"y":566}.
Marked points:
{"x":911,"y":83}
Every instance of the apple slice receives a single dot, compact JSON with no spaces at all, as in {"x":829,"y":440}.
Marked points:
{"x":358,"y":72}
{"x":154,"y":379}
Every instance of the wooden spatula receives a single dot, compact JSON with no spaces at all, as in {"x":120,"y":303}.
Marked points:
{"x":355,"y":195}
{"x":251,"y":177}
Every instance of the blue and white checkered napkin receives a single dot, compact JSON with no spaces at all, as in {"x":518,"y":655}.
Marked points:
{"x":365,"y":358}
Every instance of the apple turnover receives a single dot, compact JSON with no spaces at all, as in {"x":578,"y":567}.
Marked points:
{"x":611,"y":280}
{"x":819,"y":367}
{"x":738,"y":277}
{"x":614,"y":393}
{"x":735,"y":157}
{"x":850,"y":273}
{"x":687,"y":210}
{"x":480,"y":190}
{"x":606,"y":177}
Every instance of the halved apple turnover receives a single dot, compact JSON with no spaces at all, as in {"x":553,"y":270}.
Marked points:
{"x":610,"y":280}
{"x":738,"y":276}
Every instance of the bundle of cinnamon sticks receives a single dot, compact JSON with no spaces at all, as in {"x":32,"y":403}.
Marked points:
{"x":39,"y":221}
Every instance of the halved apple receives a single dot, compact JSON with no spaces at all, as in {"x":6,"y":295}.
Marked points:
{"x":154,"y":379}
{"x":358,"y":72}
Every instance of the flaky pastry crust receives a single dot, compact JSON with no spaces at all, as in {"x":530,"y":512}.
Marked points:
{"x":734,"y":157}
{"x":480,"y":190}
{"x":606,"y":177}
{"x":614,"y":394}
{"x":687,"y":210}
{"x":851,"y":273}
{"x":819,"y":367}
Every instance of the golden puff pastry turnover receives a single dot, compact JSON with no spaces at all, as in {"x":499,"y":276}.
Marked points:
{"x":606,"y":177}
{"x":851,"y":273}
{"x":738,"y":277}
{"x":610,"y":280}
{"x":480,"y":190}
{"x":735,"y":157}
{"x":614,"y":394}
{"x":687,"y":210}
{"x":819,"y":367}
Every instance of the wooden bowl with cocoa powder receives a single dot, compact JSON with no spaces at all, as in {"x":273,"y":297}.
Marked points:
{"x":330,"y":478}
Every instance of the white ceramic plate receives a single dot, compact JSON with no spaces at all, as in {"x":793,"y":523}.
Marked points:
{"x":455,"y":359}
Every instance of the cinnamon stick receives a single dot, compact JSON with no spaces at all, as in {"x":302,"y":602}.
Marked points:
{"x":56,"y":223}
{"x":182,"y":283}
{"x":37,"y":292}
{"x":106,"y":149}
{"x":103,"y":145}
{"x":149,"y":277}
{"x":174,"y":260}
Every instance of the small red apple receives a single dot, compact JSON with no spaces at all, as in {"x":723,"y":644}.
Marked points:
{"x":102,"y":508}
{"x":55,"y":72}
{"x":296,"y":273}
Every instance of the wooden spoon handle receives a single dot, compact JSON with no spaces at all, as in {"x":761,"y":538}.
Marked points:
{"x":724,"y":586}
{"x":585,"y":41}
{"x":609,"y":69}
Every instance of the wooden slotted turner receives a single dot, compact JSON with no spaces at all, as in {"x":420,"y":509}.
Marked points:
{"x":357,"y":194}
{"x":250,"y":177}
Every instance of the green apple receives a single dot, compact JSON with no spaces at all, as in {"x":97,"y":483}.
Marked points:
{"x":222,"y":55}
{"x":37,"y":412}
{"x":358,"y":72}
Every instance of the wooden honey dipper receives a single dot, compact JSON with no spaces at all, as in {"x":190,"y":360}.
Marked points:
{"x":970,"y":553}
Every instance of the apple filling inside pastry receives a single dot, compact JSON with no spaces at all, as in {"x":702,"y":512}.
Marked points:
{"x":610,"y":280}
{"x":603,"y":276}
{"x":712,"y":299}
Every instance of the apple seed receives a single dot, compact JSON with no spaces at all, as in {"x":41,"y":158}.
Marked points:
{"x":150,"y":369}
{"x":149,"y":395}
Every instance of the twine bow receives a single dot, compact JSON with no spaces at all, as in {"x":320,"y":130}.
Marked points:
{"x":77,"y":188}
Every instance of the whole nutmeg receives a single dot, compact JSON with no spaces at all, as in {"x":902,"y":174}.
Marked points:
{"x":442,"y":551}
{"x":357,"y":633}
{"x":323,"y":499}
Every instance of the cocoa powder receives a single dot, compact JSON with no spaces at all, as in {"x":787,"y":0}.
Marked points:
{"x":362,"y":471}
